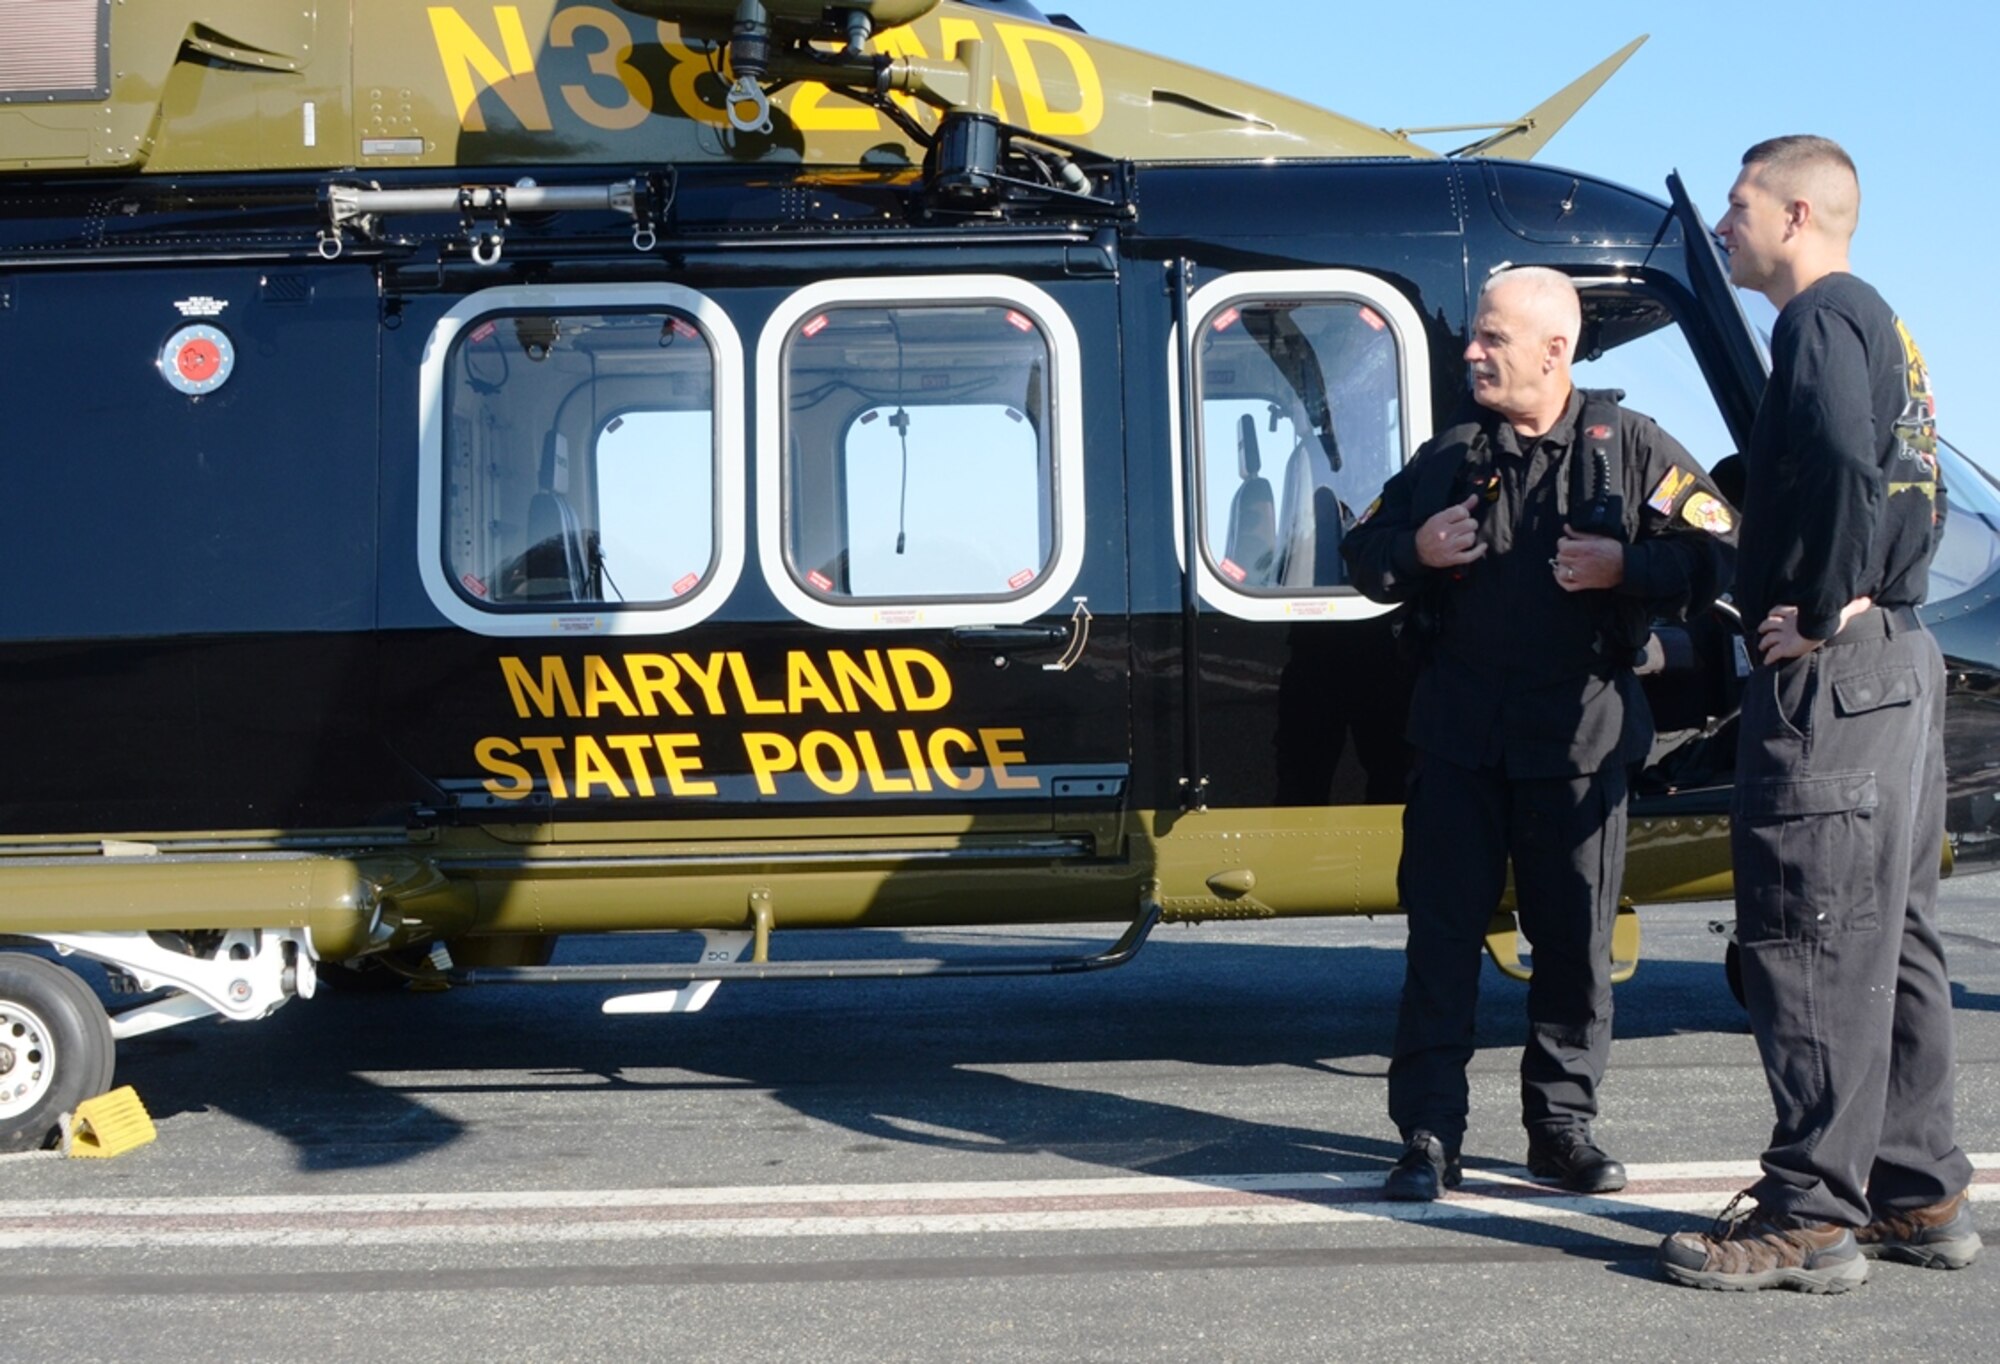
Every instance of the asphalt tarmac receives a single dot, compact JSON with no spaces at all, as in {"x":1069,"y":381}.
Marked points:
{"x":1177,"y":1160}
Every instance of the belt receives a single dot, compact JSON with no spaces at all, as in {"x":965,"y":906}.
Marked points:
{"x":1879,"y":622}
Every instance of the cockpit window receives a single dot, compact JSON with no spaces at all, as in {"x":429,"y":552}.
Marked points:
{"x":1302,"y":421}
{"x":919,"y":454}
{"x":579,"y":461}
{"x":1632,"y":342}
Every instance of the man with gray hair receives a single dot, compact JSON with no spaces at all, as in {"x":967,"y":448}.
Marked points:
{"x":1837,"y":822}
{"x":1533,"y":542}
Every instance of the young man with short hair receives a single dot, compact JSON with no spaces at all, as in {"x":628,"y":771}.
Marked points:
{"x":1837,"y":820}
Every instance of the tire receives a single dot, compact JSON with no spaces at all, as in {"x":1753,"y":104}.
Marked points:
{"x":55,"y":1049}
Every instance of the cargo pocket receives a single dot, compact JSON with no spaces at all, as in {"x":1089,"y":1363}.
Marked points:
{"x":1860,"y":693}
{"x":1805,"y":858}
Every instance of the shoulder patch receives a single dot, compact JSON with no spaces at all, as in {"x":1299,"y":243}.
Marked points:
{"x":1709,"y":513}
{"x":1669,"y":489}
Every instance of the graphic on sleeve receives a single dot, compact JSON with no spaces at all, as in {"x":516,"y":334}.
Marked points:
{"x":1916,"y":429}
{"x":1669,"y":490}
{"x":1709,"y":513}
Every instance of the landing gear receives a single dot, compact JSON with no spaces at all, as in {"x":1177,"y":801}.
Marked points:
{"x":55,"y":1049}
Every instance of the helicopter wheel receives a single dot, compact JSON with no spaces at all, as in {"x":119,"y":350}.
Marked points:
{"x":55,"y":1049}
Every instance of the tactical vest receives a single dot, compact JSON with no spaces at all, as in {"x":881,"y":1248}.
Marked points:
{"x":1592,"y":499}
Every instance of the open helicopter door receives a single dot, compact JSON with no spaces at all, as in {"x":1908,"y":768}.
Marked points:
{"x":780,"y":549}
{"x":1746,"y":363}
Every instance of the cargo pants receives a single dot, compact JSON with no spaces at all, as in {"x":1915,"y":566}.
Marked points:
{"x":1837,"y":832}
{"x":1565,"y":837}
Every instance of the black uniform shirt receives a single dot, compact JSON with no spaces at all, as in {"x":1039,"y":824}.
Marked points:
{"x":1840,"y":480}
{"x":1518,"y":675}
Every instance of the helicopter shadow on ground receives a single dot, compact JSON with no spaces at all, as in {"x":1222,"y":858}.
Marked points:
{"x":1959,"y":945}
{"x":894,"y":1063}
{"x":1985,"y":1001}
{"x":903,"y":1066}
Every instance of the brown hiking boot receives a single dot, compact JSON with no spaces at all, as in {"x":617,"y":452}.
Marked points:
{"x":1940,"y":1236}
{"x":1760,"y":1250}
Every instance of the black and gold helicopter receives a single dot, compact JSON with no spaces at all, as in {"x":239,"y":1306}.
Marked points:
{"x":480,"y":472}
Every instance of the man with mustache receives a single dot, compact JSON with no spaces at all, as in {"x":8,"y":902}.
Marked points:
{"x":1534,"y":541}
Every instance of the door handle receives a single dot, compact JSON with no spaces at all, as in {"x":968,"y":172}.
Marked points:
{"x":1009,"y":636}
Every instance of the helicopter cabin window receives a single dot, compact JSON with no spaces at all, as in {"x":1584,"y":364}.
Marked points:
{"x":576,"y":450}
{"x":923,"y":463}
{"x":1307,"y":403}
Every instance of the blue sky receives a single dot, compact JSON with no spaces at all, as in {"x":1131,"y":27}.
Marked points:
{"x":1901,"y":86}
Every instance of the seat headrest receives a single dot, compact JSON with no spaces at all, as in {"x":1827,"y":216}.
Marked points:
{"x":554,"y":474}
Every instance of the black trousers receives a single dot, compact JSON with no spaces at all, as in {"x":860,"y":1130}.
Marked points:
{"x":1565,"y":837}
{"x":1837,"y":831}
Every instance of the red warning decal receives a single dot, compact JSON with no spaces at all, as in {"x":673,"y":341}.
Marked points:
{"x":1021,"y":579}
{"x":1233,"y":571}
{"x":816,"y":326}
{"x":820,"y":580}
{"x":484,"y":330}
{"x":1227,"y":320}
{"x":473,"y":585}
{"x":1372,"y":318}
{"x":1018,"y":322}
{"x":686,"y":585}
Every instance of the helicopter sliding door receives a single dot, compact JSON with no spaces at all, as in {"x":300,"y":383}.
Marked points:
{"x":819,"y":554}
{"x":938,"y":480}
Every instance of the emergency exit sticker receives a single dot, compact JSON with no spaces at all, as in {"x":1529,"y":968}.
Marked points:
{"x":197,"y":359}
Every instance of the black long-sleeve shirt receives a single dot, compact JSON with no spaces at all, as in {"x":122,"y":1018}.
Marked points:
{"x":1841,"y":496}
{"x":1517,"y":675}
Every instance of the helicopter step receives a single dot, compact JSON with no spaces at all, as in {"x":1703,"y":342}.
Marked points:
{"x":698,"y":980}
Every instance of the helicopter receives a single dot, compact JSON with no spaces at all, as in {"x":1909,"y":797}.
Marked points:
{"x":489,"y":472}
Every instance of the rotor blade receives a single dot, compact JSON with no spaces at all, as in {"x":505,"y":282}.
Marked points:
{"x":1521,"y":139}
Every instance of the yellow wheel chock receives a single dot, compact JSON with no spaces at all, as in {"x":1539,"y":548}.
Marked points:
{"x":108,"y":1125}
{"x":1504,"y":946}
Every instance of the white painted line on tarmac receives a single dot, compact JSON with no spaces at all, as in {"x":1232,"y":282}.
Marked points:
{"x":1058,"y":1205}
